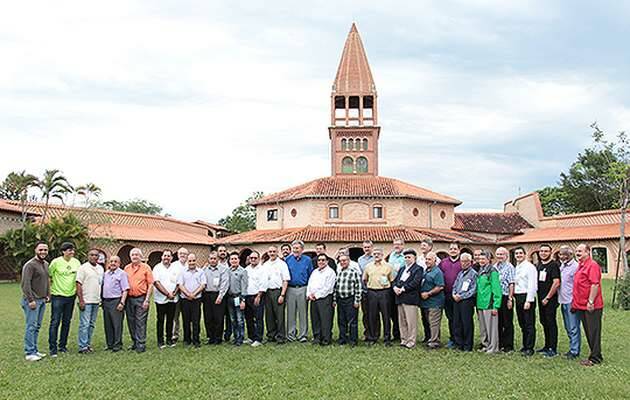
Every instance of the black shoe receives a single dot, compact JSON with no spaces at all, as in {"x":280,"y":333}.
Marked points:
{"x":132,"y":347}
{"x":571,"y":356}
{"x":63,"y":350}
{"x":140,"y":350}
{"x":388,"y":344}
{"x":279,"y":342}
{"x":325,"y":343}
{"x":315,"y":342}
{"x":197,"y":345}
{"x":341,"y":342}
{"x":528,"y":353}
{"x":370,"y":343}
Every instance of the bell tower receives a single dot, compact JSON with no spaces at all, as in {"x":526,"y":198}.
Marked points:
{"x":354,"y":129}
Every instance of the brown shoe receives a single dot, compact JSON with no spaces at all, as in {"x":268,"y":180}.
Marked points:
{"x":587,"y":363}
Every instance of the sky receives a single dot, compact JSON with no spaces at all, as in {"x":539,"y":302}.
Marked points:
{"x":194,"y":105}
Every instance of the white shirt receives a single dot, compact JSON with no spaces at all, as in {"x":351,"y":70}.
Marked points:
{"x":321,"y":283}
{"x":167,"y":278}
{"x":256,"y":279}
{"x":277,"y":272}
{"x":525,"y":280}
{"x":91,"y":278}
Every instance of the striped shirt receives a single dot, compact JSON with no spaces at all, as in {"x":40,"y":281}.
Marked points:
{"x":348,"y":284}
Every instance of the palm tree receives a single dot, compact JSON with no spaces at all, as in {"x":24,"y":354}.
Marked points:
{"x":19,"y":183}
{"x":53,"y":185}
{"x":87,"y":191}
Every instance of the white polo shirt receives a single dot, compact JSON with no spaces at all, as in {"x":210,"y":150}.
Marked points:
{"x":167,"y":278}
{"x":256,"y":279}
{"x":277,"y":272}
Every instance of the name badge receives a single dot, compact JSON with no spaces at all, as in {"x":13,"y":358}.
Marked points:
{"x":405,"y":276}
{"x":542,"y":276}
{"x":215,"y":281}
{"x":237,"y":302}
{"x":384,"y":281}
{"x":465,"y":285}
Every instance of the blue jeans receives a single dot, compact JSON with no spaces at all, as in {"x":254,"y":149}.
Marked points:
{"x":237,"y":321}
{"x":33,"y":323}
{"x":62,"y":308}
{"x":572,"y":326}
{"x":254,"y":318}
{"x":87,"y":320}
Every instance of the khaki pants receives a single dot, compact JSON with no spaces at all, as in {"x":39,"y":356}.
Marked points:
{"x":434,"y":319}
{"x":408,"y":324}
{"x":489,"y":330}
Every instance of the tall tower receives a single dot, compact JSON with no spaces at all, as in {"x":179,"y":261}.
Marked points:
{"x":354,"y":129}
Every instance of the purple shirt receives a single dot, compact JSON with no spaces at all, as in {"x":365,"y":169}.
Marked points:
{"x":567,"y":273}
{"x":450,"y":269}
{"x":114,"y":283}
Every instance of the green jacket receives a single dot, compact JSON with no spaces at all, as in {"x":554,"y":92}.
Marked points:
{"x":488,"y":289}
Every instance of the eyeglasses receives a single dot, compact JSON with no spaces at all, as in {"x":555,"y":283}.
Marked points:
{"x":322,"y":260}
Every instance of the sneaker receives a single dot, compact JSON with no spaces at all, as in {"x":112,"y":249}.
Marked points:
{"x":41,"y":355}
{"x":571,"y":356}
{"x":303,"y":340}
{"x":172,"y":344}
{"x":84,"y":351}
{"x":550,"y":353}
{"x":248,"y":341}
{"x":528,"y":353}
{"x":256,"y":344}
{"x":450,"y":345}
{"x":53,"y":355}
{"x":32,"y":357}
{"x":161,"y":346}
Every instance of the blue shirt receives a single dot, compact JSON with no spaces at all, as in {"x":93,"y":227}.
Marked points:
{"x":299,"y":269}
{"x":432,"y":278}
{"x":364,"y":260}
{"x":397,"y":261}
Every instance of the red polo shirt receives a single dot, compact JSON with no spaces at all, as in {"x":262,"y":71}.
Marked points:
{"x":588,"y":273}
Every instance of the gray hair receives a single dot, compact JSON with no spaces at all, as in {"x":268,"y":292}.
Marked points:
{"x":466,"y":256}
{"x":428,"y":241}
{"x":298,"y":242}
{"x":564,"y":249}
{"x":486,"y":254}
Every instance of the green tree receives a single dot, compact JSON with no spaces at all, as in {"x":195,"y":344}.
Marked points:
{"x":88,"y":192}
{"x":140,"y":206}
{"x":553,"y":200}
{"x":53,"y":186}
{"x":16,"y":187}
{"x":243,"y":217}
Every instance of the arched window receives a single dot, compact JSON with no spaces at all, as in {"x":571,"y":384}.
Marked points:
{"x":350,"y":144}
{"x":347,"y":165}
{"x":344,"y":144}
{"x":362,"y":165}
{"x":365,"y":144}
{"x":357,"y":144}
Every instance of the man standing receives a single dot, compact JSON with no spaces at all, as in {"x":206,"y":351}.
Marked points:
{"x":89,"y":282}
{"x":463,"y":294}
{"x":140,"y":280}
{"x":278,"y":281}
{"x":223,"y":255}
{"x":35,"y":294}
{"x":63,"y":288}
{"x":525,"y":287}
{"x":397,"y":260}
{"x":236,"y":298}
{"x":320,"y":248}
{"x":406,"y":288}
{"x":476,"y":254}
{"x":320,"y":288}
{"x":347,"y":298}
{"x":548,"y":284}
{"x":588,"y":301}
{"x":488,"y":303}
{"x":364,"y":260}
{"x":568,"y":268}
{"x":300,"y":268}
{"x":285,"y":250}
{"x":115,"y":288}
{"x":450,"y":267}
{"x":426,"y":246}
{"x":179,"y":266}
{"x":506,"y":312}
{"x":255,"y":299}
{"x":191,"y":284}
{"x":165,"y":276}
{"x":378,"y":276}
{"x":217,"y":284}
{"x":432,"y":300}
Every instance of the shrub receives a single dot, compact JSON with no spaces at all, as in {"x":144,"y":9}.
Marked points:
{"x":623,"y":287}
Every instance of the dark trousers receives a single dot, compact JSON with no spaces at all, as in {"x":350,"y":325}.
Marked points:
{"x":379,"y":306}
{"x":526,"y":320}
{"x":165,"y":313}
{"x":321,"y":319}
{"x":463,"y":325}
{"x":506,"y":326}
{"x":364,"y":316}
{"x":254,"y":315}
{"x":191,"y":316}
{"x":137,"y":321}
{"x":347,"y":320}
{"x":213,"y":317}
{"x":274,"y":316}
{"x":548,"y":320}
{"x":426,"y":326}
{"x":227,"y":332}
{"x":113,"y":322}
{"x":393,"y":315}
{"x":448,"y":311}
{"x":592,"y":323}
{"x":61,"y":313}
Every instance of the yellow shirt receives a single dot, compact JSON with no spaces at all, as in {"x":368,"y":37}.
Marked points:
{"x":378,"y":276}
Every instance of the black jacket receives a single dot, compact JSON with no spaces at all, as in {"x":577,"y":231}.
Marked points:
{"x":411,"y":295}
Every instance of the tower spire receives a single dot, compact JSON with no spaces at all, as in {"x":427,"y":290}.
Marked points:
{"x":353,"y":74}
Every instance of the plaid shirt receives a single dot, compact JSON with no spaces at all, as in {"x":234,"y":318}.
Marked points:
{"x":348,"y":284}
{"x":506,"y":276}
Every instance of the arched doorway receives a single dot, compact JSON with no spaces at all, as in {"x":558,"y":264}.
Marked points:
{"x":355,"y":253}
{"x":243,"y":256}
{"x":154,"y":258}
{"x":123,"y":253}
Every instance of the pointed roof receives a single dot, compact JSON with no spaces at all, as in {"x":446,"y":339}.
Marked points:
{"x":354,"y":75}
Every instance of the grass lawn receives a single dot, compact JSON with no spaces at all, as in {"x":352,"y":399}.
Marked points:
{"x":303,"y":371}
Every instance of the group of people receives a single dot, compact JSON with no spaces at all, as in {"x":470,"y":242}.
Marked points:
{"x":277,"y":294}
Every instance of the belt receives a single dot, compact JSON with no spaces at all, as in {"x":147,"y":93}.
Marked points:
{"x":297,"y":286}
{"x":112,"y":298}
{"x":274,"y":289}
{"x":377,"y":290}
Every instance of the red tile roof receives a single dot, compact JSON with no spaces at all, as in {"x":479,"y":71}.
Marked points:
{"x":145,"y":234}
{"x":354,"y":75}
{"x":211,"y":226}
{"x":350,"y":234}
{"x":588,"y":218}
{"x":491,"y":222}
{"x":6,"y":206}
{"x":341,"y":187}
{"x":594,"y":232}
